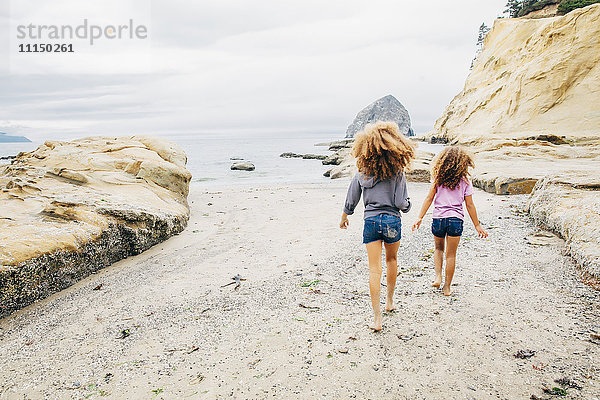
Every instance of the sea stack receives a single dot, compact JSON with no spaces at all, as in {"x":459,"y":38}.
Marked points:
{"x":387,"y":108}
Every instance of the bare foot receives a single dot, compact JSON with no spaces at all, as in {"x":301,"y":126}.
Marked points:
{"x":389,"y":305}
{"x":437,"y":283}
{"x":447,"y":290}
{"x":376,"y":325}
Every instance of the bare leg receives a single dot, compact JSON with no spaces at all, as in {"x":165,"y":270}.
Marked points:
{"x":438,"y":261}
{"x":374,"y":252}
{"x":391,"y":260}
{"x":452,"y":246}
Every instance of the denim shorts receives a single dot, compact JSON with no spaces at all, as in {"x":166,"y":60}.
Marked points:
{"x":384,"y":227}
{"x":440,"y":227}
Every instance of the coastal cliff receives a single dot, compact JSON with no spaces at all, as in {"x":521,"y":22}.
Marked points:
{"x":533,"y":77}
{"x":529,"y":111}
{"x":68,"y":209}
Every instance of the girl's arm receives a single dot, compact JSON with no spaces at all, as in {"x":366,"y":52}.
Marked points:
{"x":426,"y":204}
{"x":352,"y":198}
{"x":473,"y":214}
{"x":344,"y":223}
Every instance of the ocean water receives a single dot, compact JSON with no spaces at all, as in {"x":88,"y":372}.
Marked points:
{"x":210,"y":157}
{"x":12,"y":149}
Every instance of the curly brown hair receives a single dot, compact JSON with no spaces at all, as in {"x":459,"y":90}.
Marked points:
{"x":382,"y":151}
{"x":451,"y":165}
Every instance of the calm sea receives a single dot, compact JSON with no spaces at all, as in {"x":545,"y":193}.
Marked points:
{"x":210,"y":157}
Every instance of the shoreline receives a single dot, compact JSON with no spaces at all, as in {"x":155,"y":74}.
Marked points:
{"x":303,"y":310}
{"x":419,"y":174}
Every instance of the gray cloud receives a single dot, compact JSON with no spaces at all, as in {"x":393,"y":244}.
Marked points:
{"x":263,"y":65}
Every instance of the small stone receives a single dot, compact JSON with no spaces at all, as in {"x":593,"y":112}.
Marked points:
{"x":243,"y":166}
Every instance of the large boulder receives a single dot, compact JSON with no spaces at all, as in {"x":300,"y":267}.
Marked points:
{"x":568,"y":205}
{"x":68,"y":209}
{"x":387,"y":108}
{"x":338,"y":156}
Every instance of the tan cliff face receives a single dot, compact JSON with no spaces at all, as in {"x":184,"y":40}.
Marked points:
{"x":533,"y":77}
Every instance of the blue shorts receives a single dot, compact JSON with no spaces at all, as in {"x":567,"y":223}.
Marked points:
{"x":440,"y":227}
{"x":384,"y":227}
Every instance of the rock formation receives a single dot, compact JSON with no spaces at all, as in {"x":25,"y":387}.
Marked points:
{"x":533,"y":77}
{"x":568,"y":204}
{"x":339,"y":156}
{"x":515,"y":166}
{"x":529,"y":111}
{"x":68,"y":209}
{"x":304,"y":156}
{"x":243,"y":166}
{"x":387,"y":108}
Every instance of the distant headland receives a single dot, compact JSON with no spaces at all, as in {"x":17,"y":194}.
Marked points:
{"x":5,"y":138}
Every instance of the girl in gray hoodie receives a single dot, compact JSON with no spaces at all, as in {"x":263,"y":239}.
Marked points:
{"x":382,"y":153}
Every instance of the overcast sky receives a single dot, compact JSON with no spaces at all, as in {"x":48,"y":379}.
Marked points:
{"x":236,"y":65}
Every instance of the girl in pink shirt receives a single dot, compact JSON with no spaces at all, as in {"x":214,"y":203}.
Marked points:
{"x":451,"y":187}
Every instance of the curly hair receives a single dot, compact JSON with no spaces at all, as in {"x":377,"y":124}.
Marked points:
{"x":382,"y":151}
{"x":451,"y":166}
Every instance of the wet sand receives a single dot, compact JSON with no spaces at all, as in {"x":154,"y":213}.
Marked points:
{"x":161,"y":326}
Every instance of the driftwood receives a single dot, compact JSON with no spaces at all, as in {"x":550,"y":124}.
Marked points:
{"x":237,"y":280}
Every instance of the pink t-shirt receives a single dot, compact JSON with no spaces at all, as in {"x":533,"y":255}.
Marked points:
{"x":449,"y":203}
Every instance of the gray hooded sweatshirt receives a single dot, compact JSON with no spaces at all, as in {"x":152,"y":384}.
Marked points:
{"x":389,"y":196}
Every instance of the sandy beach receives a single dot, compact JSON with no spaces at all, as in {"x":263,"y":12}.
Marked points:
{"x":161,"y":325}
{"x":170,"y":199}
